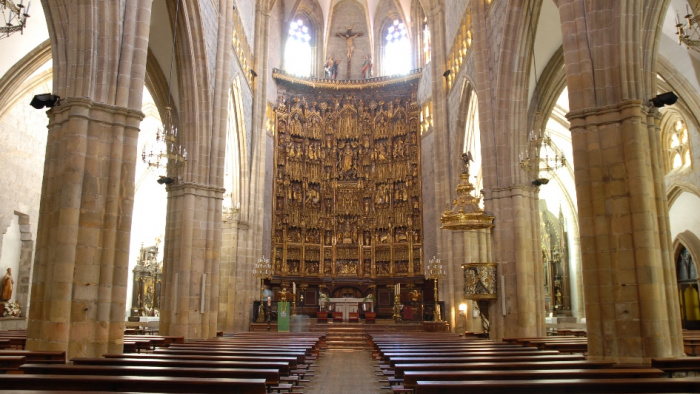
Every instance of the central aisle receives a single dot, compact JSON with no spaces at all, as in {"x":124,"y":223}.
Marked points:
{"x":344,"y":371}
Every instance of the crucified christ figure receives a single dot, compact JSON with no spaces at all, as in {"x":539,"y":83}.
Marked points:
{"x":349,"y":37}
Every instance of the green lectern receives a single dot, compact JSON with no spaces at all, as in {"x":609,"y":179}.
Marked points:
{"x":283,"y":316}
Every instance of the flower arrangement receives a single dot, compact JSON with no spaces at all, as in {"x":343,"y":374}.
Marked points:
{"x":12,"y":309}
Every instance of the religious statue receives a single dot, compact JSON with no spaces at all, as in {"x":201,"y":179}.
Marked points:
{"x":6,"y":286}
{"x":349,"y":37}
{"x":367,"y":67}
{"x":331,"y":68}
{"x":558,"y":298}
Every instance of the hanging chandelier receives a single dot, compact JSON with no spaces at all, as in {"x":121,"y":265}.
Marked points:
{"x":688,"y":32}
{"x":465,"y":213}
{"x":167,"y":152}
{"x":541,"y":158}
{"x":15,"y":17}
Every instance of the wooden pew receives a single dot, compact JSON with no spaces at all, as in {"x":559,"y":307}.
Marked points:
{"x":411,"y":378}
{"x":390,"y":356}
{"x":400,"y":369}
{"x":282,"y":366}
{"x":11,"y":364}
{"x":242,"y":355}
{"x":566,"y":347}
{"x":271,"y":375}
{"x":677,"y":365}
{"x":545,"y":386}
{"x":291,"y":361}
{"x":525,"y":340}
{"x":308,"y":350}
{"x":161,"y":384}
{"x":481,"y":359}
{"x":34,"y":356}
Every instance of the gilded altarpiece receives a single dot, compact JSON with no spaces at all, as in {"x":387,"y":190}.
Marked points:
{"x":347,"y":190}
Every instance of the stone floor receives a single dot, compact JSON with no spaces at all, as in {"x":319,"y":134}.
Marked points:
{"x":345,"y":371}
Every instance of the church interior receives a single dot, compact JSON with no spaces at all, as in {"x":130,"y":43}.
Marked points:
{"x":501,"y":168}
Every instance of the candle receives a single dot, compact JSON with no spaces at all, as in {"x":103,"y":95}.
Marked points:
{"x":294,"y":287}
{"x":269,"y":301}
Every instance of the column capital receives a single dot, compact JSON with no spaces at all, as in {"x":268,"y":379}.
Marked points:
{"x":608,"y":114}
{"x":200,"y":190}
{"x":83,"y":107}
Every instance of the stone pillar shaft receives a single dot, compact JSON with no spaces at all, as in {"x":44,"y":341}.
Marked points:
{"x":629,"y":286}
{"x":80,"y":273}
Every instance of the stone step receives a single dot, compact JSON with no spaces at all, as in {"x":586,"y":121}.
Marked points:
{"x":347,"y":345}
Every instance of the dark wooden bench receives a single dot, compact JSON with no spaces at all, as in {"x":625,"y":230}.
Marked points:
{"x":162,"y":384}
{"x":390,"y":356}
{"x":271,"y":376}
{"x":482,"y":359}
{"x":526,"y":340}
{"x":399,"y":369}
{"x":566,"y":347}
{"x":307,"y":350}
{"x":677,"y":365}
{"x":294,"y":357}
{"x":35,"y":356}
{"x":411,"y":378}
{"x":691,"y":346}
{"x":282,"y":366}
{"x":11,"y":364}
{"x":12,"y":342}
{"x":544,"y":386}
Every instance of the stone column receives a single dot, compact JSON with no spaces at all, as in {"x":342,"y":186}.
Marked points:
{"x":191,"y":270}
{"x":442,"y":183}
{"x":255,"y":217}
{"x":80,"y":272}
{"x":630,"y":292}
{"x":501,"y":51}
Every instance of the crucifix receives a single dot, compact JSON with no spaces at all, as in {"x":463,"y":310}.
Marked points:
{"x":349,"y":37}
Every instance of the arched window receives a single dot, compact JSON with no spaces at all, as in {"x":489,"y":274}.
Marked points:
{"x":472,"y":143}
{"x":235,"y":145}
{"x":675,"y":143}
{"x":426,"y":41}
{"x":297,"y":52}
{"x":397,"y":49}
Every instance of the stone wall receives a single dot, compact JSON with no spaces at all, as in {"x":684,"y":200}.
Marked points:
{"x":348,"y":14}
{"x":22,"y":149}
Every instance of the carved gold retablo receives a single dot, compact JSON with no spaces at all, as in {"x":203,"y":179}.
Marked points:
{"x":465,"y":213}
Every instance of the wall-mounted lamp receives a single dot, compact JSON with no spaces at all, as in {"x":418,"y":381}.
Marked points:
{"x":668,"y":98}
{"x":44,"y":100}
{"x":447,"y":73}
{"x":462,"y":309}
{"x":165,"y":180}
